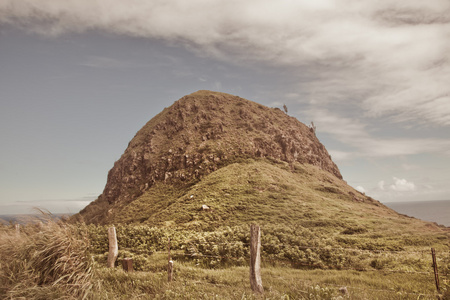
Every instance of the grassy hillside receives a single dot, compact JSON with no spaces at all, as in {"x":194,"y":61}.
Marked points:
{"x":268,"y":192}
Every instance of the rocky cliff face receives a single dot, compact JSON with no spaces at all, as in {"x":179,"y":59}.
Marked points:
{"x":200,"y":133}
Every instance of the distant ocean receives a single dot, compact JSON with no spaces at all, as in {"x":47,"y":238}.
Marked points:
{"x":29,"y":218}
{"x":434,"y":211}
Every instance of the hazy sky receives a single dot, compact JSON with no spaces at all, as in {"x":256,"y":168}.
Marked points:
{"x":78,"y":78}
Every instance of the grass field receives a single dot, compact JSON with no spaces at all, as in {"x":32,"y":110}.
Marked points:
{"x":193,"y":282}
{"x":60,"y":261}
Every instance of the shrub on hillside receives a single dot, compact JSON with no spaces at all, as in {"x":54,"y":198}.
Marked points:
{"x":218,"y":248}
{"x":139,"y":239}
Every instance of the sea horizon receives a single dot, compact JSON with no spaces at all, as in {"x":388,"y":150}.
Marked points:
{"x":29,"y":218}
{"x":437,"y":211}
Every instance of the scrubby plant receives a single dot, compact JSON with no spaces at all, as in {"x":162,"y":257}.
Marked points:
{"x":297,"y":246}
{"x":218,"y":248}
{"x":139,"y":239}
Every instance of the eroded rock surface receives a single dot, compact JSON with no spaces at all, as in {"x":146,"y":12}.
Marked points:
{"x":200,"y":133}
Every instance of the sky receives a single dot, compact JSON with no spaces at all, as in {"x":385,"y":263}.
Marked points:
{"x":79,"y":78}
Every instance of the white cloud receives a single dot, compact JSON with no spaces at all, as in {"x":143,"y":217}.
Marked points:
{"x":360,"y":189}
{"x":105,"y":63}
{"x":400,"y":189}
{"x":379,"y":147}
{"x":337,"y":155}
{"x":409,"y":167}
{"x":393,"y":56}
{"x":292,"y":95}
{"x":356,"y":134}
{"x":276,"y":104}
{"x":345,"y":129}
{"x":402,"y":185}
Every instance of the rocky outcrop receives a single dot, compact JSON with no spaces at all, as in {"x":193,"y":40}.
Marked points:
{"x":202,"y":132}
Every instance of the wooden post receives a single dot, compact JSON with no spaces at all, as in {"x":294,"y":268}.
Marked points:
{"x":170,"y":263}
{"x":255,"y":259}
{"x":168,"y":250}
{"x":170,"y":271}
{"x":127,"y":264}
{"x":436,"y":275}
{"x":113,"y":247}
{"x":17,"y":226}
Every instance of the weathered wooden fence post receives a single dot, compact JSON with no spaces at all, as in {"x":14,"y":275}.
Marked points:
{"x":113,"y":247}
{"x":436,"y":275}
{"x":255,"y":259}
{"x":170,"y":271}
{"x":127,"y":264}
{"x":17,"y":226}
{"x":170,"y":264}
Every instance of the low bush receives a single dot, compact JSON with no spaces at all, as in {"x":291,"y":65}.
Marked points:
{"x":218,"y":248}
{"x":299,"y":247}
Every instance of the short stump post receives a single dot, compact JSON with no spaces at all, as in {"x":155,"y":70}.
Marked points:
{"x":127,"y":264}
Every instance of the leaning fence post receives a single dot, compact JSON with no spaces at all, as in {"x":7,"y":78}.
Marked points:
{"x":255,"y":259}
{"x":113,"y":247}
{"x":436,"y":274}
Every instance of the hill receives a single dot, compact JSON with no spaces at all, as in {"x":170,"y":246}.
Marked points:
{"x":213,"y":159}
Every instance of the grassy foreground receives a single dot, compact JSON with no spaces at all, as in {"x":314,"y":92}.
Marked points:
{"x":57,"y":261}
{"x":279,"y":283}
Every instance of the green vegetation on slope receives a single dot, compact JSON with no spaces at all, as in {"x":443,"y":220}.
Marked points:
{"x":297,"y":247}
{"x":268,"y":192}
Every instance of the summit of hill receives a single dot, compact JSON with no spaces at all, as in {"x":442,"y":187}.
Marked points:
{"x":213,"y":159}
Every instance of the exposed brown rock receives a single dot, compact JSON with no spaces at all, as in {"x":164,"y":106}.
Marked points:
{"x":197,"y":135}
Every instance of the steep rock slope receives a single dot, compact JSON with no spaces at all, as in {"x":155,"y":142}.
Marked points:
{"x":199,"y":134}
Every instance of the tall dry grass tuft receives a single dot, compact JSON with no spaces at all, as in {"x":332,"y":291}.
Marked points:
{"x":44,"y":260}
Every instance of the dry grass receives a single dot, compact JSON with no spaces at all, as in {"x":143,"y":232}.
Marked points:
{"x":44,"y":261}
